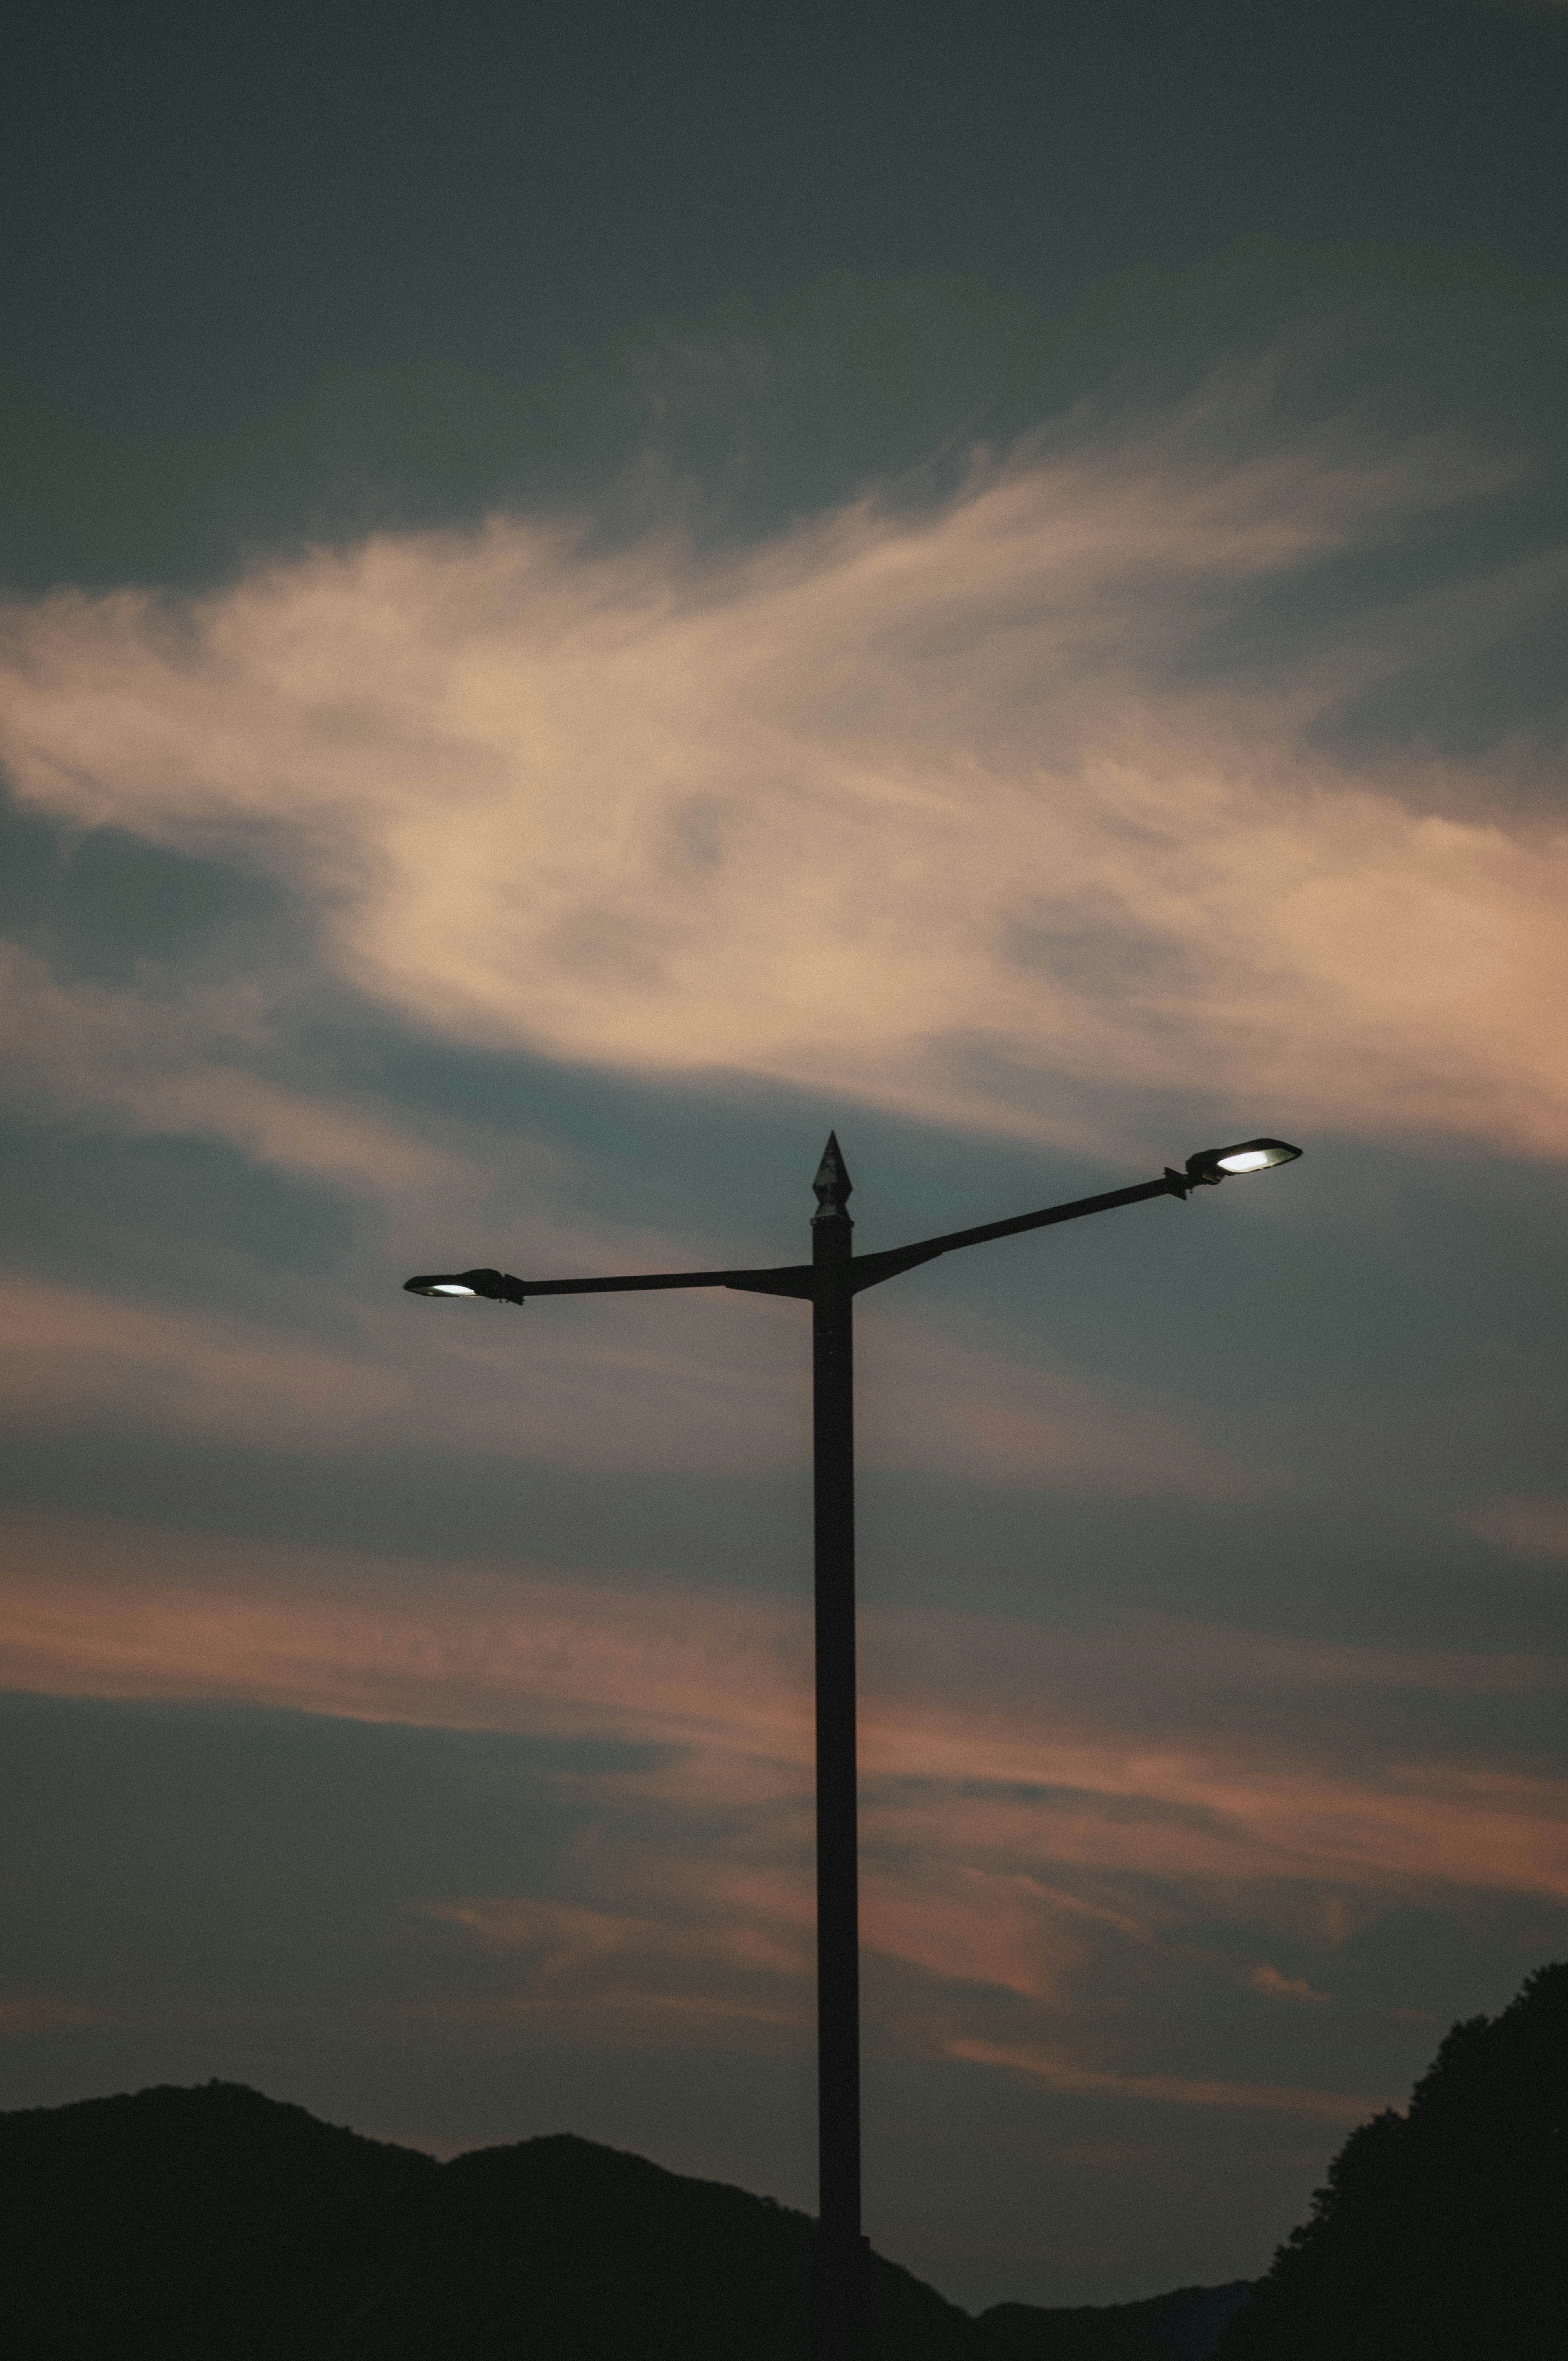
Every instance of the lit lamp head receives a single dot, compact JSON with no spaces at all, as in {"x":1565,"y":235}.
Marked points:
{"x":1213,"y":1165}
{"x":496,"y":1285}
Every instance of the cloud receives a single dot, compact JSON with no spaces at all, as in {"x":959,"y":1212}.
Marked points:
{"x":1536,"y":1527}
{"x":957,"y":810}
{"x":1269,"y":1981}
{"x":1047,"y":1814}
{"x":958,"y":1402}
{"x":617,"y":1975}
{"x":41,"y":2012}
{"x":68,"y":1352}
{"x":149,"y":1063}
{"x":998,"y":1754}
{"x":627,"y":1390}
{"x":1060,"y":2074}
{"x":168,"y":1616}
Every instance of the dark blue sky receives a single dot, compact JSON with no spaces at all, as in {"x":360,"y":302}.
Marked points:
{"x":208,"y":211}
{"x":590,"y":594}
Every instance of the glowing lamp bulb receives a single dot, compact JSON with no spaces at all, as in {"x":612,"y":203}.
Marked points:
{"x":497,"y":1286}
{"x":1216,"y":1164}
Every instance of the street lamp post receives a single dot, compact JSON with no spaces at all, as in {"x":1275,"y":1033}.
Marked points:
{"x":838,"y":2261}
{"x":830,"y":1282}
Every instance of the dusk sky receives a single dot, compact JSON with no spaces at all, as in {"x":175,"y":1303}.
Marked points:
{"x":588,"y":594}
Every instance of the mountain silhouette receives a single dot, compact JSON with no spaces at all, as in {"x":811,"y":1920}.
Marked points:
{"x":1182,"y":2326}
{"x":215,"y":2224}
{"x":1442,"y":2232}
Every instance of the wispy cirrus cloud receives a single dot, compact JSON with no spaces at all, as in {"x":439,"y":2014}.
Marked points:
{"x":959,"y":811}
{"x":1532,"y":1528}
{"x":43,"y":2013}
{"x":621,"y":1393}
{"x":185,"y":1063}
{"x":991,"y":1743}
{"x":70,"y":1352}
{"x":1059,"y":2073}
{"x":1267,"y":1979}
{"x":1047,"y":1814}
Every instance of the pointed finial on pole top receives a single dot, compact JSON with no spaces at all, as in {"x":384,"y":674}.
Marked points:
{"x":832,"y":1184}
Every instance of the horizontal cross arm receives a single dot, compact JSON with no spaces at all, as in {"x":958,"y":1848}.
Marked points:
{"x":868,"y":1270}
{"x":796,"y":1277}
{"x":789,"y":1279}
{"x":501,"y":1286}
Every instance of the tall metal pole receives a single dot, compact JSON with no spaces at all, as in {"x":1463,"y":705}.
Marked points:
{"x":839,"y":2273}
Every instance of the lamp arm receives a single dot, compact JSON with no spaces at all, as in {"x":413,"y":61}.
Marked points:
{"x":788,"y":1278}
{"x":501,"y":1286}
{"x":869,"y":1270}
{"x":796,"y":1278}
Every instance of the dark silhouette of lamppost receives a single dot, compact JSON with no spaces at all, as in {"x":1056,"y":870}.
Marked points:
{"x":830,"y":1282}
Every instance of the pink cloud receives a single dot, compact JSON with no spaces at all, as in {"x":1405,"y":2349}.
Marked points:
{"x":574,"y":1952}
{"x":1533,"y":1528}
{"x":957,"y":1401}
{"x":1034,"y":1801}
{"x":67,"y":1350}
{"x":1059,"y":2073}
{"x":1269,"y":1981}
{"x":130,"y":1061}
{"x":1222,"y":1823}
{"x":43,"y":2013}
{"x":921,"y":809}
{"x":1009,"y":1753}
{"x":625,"y":1386}
{"x":169,"y":1616}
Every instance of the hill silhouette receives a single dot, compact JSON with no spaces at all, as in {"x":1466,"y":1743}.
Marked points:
{"x":1181,"y":2327}
{"x":1442,"y":2232}
{"x":215,"y":2224}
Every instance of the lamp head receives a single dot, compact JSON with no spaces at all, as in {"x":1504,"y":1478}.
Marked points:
{"x":1213,"y":1165}
{"x":497,"y":1286}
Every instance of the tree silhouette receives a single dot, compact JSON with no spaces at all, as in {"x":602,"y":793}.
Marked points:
{"x":1442,"y":2234}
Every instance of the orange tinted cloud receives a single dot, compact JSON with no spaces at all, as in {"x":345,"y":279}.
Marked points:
{"x":42,"y":2013}
{"x":1179,"y":2090}
{"x":626,"y":1387}
{"x":174,"y":1617}
{"x":154,"y":1063}
{"x":67,"y":1351}
{"x":1270,"y":1980}
{"x":933,"y":809}
{"x":1006,"y":1752}
{"x":1536,"y":1527}
{"x":1035,"y":1801}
